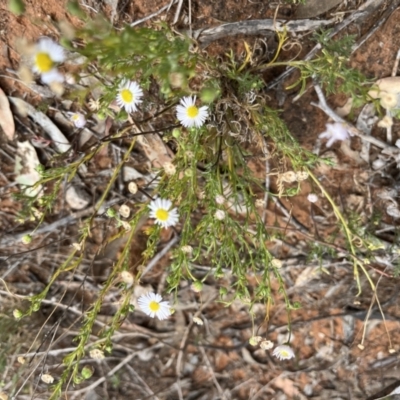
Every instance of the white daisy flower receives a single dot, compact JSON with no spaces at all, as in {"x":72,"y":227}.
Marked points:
{"x":189,"y":114}
{"x":129,"y":94}
{"x":152,"y":305}
{"x":334,"y":132}
{"x":78,"y":119}
{"x":46,"y":54}
{"x":160,"y":210}
{"x":283,"y":352}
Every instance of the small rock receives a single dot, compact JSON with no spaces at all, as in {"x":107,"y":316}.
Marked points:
{"x":131,"y":174}
{"x":77,"y":198}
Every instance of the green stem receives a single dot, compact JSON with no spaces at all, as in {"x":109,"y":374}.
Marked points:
{"x":348,"y":234}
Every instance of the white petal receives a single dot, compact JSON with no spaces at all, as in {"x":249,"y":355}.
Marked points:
{"x":52,"y":76}
{"x":55,"y":51}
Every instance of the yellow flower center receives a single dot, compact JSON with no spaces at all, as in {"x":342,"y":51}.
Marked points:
{"x":126,"y":96}
{"x":192,"y":111}
{"x":154,"y":306}
{"x":43,"y":62}
{"x":75,"y":117}
{"x":284,"y":353}
{"x":162,"y":215}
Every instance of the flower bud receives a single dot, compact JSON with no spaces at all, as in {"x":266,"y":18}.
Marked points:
{"x":26,"y":239}
{"x":197,"y":286}
{"x":169,"y":168}
{"x":254,"y":340}
{"x":187,"y":249}
{"x":276,"y":263}
{"x":176,"y":133}
{"x":124,"y":211}
{"x":17,"y":314}
{"x":96,"y":354}
{"x":266,"y":344}
{"x":87,"y":372}
{"x":47,"y":378}
{"x":111,"y":213}
{"x":198,"y":321}
{"x":132,"y":187}
{"x":219,"y":215}
{"x":219,"y":199}
{"x":40,"y":168}
{"x":208,"y":95}
{"x":127,"y":278}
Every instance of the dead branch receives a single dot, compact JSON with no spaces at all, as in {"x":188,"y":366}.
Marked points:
{"x":365,"y":9}
{"x":256,"y":27}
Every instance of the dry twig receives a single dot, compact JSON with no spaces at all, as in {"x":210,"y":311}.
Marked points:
{"x":256,"y":27}
{"x":365,"y":9}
